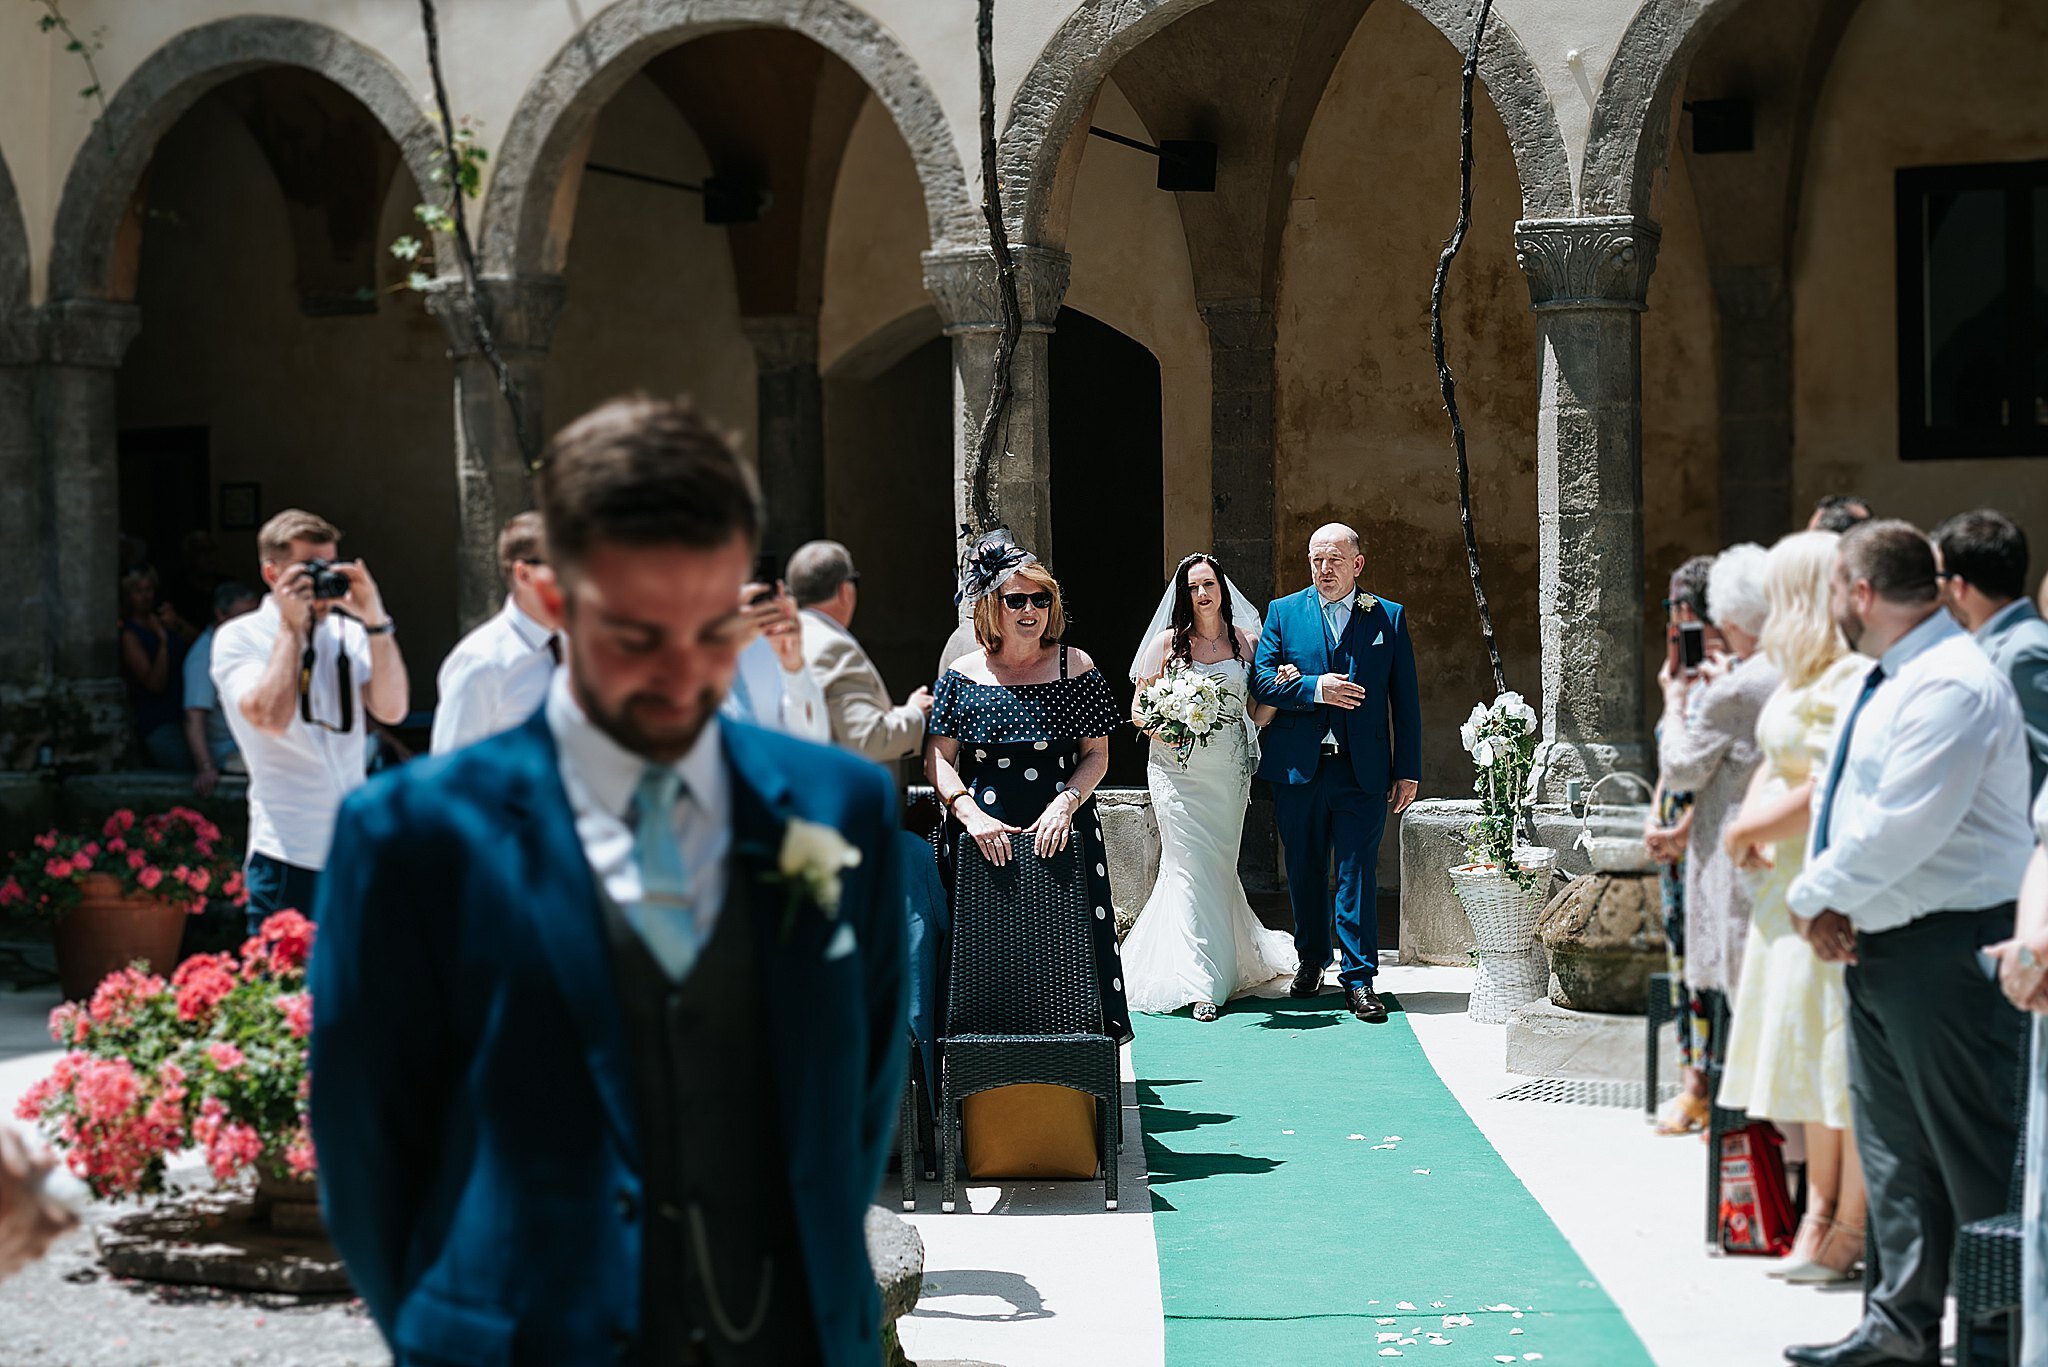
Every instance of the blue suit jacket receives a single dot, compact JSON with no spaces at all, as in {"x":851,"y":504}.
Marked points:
{"x":1383,"y":660}
{"x":473,"y":1104}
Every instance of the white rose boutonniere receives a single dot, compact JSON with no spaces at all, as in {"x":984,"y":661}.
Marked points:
{"x":810,"y":864}
{"x":1365,"y":602}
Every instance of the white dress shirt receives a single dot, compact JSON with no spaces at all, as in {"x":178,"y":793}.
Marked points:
{"x":600,"y":775}
{"x":1930,"y":813}
{"x":797,"y":700}
{"x":296,"y":780}
{"x":494,"y":679}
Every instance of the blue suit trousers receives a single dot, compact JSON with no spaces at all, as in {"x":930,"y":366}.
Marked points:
{"x":1331,"y":812}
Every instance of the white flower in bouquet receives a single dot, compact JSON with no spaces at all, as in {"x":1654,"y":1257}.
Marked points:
{"x":1482,"y":754}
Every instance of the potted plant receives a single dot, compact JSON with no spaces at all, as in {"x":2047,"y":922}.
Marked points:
{"x":123,"y":895}
{"x":213,"y":1057}
{"x":1504,"y":884}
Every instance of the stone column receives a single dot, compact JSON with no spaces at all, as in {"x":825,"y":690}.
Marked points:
{"x":1587,"y":282}
{"x":789,"y":428}
{"x":1241,"y":440}
{"x":963,"y":284}
{"x":83,"y":341}
{"x":1755,"y":304}
{"x":492,"y":477}
{"x":24,"y":643}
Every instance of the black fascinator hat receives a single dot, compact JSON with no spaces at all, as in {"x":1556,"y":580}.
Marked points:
{"x":990,"y":560}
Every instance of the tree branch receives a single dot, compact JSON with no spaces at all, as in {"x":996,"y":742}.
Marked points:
{"x":465,"y":251}
{"x":1445,"y":381}
{"x":983,"y":505}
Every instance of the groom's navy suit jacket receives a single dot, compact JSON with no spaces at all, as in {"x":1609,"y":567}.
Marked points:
{"x":473,"y":1103}
{"x":1381,"y":658}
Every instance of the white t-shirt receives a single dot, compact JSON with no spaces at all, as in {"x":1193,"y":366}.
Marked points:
{"x":494,"y":679}
{"x":296,"y":780}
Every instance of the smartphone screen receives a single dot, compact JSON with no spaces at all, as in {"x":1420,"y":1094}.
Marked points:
{"x":1692,"y":644}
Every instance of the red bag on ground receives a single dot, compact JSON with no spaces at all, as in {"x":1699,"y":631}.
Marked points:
{"x":1756,"y":1214}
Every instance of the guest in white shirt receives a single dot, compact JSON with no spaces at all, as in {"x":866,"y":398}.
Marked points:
{"x":1920,"y":839}
{"x":300,"y":679}
{"x":497,"y":676}
{"x":773,"y":687}
{"x":206,"y":726}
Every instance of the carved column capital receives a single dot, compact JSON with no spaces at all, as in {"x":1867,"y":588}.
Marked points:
{"x":1587,"y":263}
{"x":91,"y":333}
{"x":783,"y":341}
{"x":1238,"y":324}
{"x":964,"y":286}
{"x":524,"y":310}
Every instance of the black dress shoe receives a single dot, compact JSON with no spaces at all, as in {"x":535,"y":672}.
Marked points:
{"x":1308,"y":982}
{"x":1866,"y":1347}
{"x":1366,"y":1004}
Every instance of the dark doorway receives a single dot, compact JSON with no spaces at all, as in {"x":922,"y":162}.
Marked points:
{"x":1108,"y":497}
{"x":166,"y":488}
{"x":889,"y":498}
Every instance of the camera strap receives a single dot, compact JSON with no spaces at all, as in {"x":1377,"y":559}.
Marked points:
{"x":343,"y":677}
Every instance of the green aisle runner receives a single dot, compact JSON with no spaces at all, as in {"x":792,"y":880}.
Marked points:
{"x":1284,"y":1143}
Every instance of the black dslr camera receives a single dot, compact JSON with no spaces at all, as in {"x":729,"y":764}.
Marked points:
{"x":327,"y":581}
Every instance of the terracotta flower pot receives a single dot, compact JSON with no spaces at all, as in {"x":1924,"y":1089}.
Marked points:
{"x":109,"y":930}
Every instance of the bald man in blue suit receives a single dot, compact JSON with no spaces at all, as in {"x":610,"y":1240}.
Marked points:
{"x":1345,"y":749}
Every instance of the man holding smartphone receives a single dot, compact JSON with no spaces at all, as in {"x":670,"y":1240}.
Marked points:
{"x":299,"y":681}
{"x":774,"y":687}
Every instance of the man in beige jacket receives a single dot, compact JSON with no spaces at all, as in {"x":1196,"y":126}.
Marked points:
{"x":827,"y":587}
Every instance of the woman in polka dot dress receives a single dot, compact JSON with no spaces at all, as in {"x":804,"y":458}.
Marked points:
{"x":1019,"y":739}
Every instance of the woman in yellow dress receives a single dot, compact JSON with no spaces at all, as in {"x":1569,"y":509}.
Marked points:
{"x":1788,"y":1048}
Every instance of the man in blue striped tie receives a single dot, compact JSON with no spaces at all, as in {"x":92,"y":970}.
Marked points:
{"x":1920,"y":839}
{"x":608,"y":1025}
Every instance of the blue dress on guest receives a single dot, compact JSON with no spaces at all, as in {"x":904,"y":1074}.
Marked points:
{"x":1018,"y":743}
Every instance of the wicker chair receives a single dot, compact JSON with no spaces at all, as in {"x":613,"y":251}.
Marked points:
{"x":1023,"y":1004}
{"x":1661,"y":1007}
{"x":1987,"y":1266}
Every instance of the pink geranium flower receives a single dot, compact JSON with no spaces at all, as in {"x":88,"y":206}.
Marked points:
{"x":57,"y":868}
{"x":149,"y":877}
{"x":226,"y":1057}
{"x":298,"y":1013}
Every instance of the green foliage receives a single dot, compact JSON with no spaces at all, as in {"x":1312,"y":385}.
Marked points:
{"x":438,"y":216}
{"x":52,"y":20}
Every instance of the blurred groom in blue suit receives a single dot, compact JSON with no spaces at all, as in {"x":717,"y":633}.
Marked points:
{"x":608,"y":1009}
{"x":1345,"y":748}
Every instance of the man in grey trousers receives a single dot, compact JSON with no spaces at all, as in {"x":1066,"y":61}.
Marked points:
{"x":1983,"y":576}
{"x":1920,"y":839}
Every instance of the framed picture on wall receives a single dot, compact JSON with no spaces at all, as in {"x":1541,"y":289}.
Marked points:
{"x":241,"y":507}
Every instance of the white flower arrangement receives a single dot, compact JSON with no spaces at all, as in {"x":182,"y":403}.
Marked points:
{"x":1185,"y":708}
{"x":1502,"y":742}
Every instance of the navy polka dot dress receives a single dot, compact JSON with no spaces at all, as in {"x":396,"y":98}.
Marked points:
{"x":1018,"y":743}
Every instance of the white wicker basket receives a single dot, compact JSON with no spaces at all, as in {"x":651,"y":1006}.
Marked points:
{"x":1613,"y":839}
{"x":1511,"y":969}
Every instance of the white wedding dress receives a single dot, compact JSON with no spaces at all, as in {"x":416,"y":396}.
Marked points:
{"x":1197,"y":939}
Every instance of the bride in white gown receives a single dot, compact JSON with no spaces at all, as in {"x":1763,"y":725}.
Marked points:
{"x":1197,"y":941}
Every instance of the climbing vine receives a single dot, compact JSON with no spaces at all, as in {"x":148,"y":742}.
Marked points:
{"x":53,"y":20}
{"x":983,"y":509}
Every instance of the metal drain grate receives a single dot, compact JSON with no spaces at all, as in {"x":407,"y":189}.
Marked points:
{"x":1581,"y":1092}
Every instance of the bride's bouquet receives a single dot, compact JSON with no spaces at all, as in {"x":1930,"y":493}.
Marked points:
{"x":1186,"y":708}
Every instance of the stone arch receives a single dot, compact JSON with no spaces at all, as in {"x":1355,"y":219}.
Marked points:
{"x":530,"y":208}
{"x":1060,"y":87}
{"x":1631,"y":125}
{"x":93,"y":256}
{"x":14,"y":260}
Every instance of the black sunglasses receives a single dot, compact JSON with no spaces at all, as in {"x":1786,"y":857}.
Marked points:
{"x":1015,"y":601}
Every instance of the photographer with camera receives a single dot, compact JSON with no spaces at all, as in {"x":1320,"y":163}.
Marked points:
{"x":300,"y":680}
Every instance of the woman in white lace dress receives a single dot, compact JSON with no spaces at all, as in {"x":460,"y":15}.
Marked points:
{"x":1197,"y":942}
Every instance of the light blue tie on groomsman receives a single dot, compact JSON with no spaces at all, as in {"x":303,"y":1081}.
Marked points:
{"x":665,"y":916}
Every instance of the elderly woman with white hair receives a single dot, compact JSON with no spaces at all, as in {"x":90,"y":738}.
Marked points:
{"x":1713,"y":754}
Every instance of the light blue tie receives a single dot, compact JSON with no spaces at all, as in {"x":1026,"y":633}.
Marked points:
{"x":1330,"y":620}
{"x":664,"y":915}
